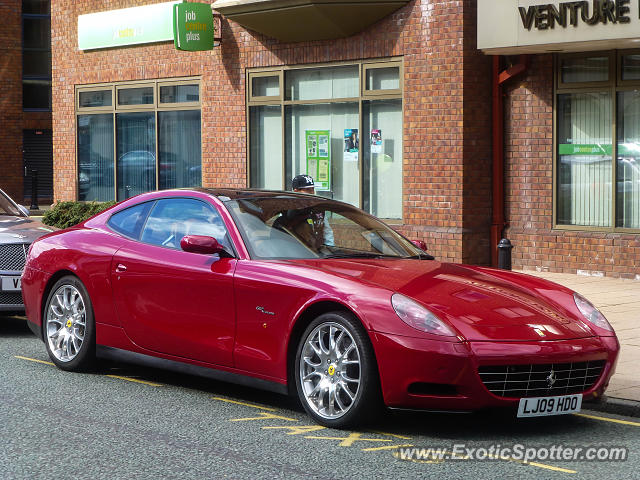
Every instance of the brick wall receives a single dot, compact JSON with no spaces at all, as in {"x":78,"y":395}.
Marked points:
{"x":11,"y":171}
{"x":529,"y":190}
{"x":440,"y":138}
{"x":12,"y":119}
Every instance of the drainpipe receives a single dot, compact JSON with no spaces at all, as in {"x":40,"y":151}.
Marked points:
{"x":498,"y":222}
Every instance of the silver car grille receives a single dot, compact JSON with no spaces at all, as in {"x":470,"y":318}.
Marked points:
{"x":11,"y":298}
{"x":13,"y":256}
{"x":540,"y":380}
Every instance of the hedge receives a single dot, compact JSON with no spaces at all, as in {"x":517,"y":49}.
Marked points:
{"x":67,"y":214}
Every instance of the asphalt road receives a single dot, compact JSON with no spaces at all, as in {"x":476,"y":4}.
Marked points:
{"x":137,"y":423}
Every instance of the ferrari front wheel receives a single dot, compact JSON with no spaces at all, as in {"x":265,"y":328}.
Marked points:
{"x":69,"y":328}
{"x":336,"y":375}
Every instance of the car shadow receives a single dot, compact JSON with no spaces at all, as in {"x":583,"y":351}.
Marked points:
{"x":485,"y":425}
{"x":14,"y":326}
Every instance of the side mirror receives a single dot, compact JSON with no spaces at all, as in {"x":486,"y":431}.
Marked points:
{"x":201,"y":244}
{"x":420,"y":244}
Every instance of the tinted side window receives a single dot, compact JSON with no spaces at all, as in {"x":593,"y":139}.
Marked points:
{"x":129,"y":222}
{"x":173,"y":218}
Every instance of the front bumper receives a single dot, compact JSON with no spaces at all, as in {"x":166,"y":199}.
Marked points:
{"x":11,"y":300}
{"x":426,"y":374}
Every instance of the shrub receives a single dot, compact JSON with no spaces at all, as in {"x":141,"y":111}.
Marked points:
{"x":67,"y":214}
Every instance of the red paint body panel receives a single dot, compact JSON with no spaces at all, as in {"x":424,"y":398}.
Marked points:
{"x":238,"y":314}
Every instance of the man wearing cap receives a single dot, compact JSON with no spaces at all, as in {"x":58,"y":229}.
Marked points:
{"x":316,"y":224}
{"x":303,"y":184}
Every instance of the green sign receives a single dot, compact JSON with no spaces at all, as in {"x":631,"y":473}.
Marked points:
{"x":128,"y":26}
{"x":193,"y":26}
{"x":597,"y":149}
{"x":319,"y":157}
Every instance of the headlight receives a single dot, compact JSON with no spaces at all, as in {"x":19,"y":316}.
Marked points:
{"x":591,"y":313}
{"x":418,"y":317}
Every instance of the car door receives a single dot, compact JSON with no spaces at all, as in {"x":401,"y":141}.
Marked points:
{"x":171,"y":301}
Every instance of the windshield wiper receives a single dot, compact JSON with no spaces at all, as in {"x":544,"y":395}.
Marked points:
{"x":421,"y":256}
{"x":360,"y":255}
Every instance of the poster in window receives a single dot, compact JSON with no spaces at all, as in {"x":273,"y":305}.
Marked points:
{"x":319,"y":158}
{"x":376,"y":141}
{"x":351,"y":145}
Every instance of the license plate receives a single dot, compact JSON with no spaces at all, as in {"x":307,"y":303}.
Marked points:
{"x":10,"y":284}
{"x":544,"y":406}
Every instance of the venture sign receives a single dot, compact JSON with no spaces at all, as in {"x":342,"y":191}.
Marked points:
{"x":530,"y":26}
{"x":570,"y":13}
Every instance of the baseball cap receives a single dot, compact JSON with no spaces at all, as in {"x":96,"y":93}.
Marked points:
{"x":302,"y":181}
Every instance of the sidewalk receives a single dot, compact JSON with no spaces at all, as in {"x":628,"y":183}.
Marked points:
{"x":619,"y":301}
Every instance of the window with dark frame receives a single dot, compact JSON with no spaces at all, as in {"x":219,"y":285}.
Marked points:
{"x":350,"y":113}
{"x":597,"y":170}
{"x":137,"y":137}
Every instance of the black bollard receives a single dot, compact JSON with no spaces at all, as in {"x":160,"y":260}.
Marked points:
{"x":34,"y":190}
{"x":504,"y":254}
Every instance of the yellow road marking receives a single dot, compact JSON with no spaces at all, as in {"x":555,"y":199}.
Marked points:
{"x":402,"y":437}
{"x":386,"y":447}
{"x":129,"y":379}
{"x":252,"y":405}
{"x":548,"y":467}
{"x":297,"y":430}
{"x":263,"y":416}
{"x":607,"y":419}
{"x":349,"y":440}
{"x":33,"y":360}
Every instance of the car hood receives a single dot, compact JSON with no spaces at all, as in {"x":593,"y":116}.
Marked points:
{"x":15,"y":229}
{"x":480,"y":305}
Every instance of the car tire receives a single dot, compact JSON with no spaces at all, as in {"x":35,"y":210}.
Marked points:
{"x":336,"y":374}
{"x":69,"y":327}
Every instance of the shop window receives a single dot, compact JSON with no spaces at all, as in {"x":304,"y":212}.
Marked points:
{"x":265,"y":145}
{"x":598,"y":142}
{"x":322,"y":83}
{"x":585,"y":69}
{"x":187,"y":93}
{"x":265,"y":86}
{"x":135,"y":96}
{"x":135,"y":146}
{"x":628,"y":163}
{"x":95,"y":157}
{"x":631,"y":67}
{"x":179,"y":149}
{"x":341,"y":124}
{"x":584,"y":159}
{"x":95,"y":98}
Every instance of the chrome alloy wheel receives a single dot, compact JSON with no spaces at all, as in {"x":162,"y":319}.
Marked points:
{"x":330,"y":370}
{"x":66,"y":323}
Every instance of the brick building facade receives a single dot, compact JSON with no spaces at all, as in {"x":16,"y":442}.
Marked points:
{"x":13,"y":118}
{"x":446,"y":125}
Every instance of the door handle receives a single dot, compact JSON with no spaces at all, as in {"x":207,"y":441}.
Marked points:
{"x":121,"y":268}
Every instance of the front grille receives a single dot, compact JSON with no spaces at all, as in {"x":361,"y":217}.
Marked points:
{"x":13,"y":256}
{"x":10,"y":298}
{"x":542,"y":379}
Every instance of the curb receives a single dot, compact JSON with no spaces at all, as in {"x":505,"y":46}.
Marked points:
{"x":616,"y":406}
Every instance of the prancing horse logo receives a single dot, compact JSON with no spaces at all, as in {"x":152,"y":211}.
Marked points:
{"x":551,"y":379}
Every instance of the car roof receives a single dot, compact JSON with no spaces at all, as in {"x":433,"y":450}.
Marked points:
{"x":225,"y":194}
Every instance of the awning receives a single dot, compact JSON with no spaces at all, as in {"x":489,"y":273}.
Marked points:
{"x":302,"y":20}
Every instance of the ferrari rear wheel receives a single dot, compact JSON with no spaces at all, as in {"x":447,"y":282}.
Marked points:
{"x":336,"y":376}
{"x":69,"y":326}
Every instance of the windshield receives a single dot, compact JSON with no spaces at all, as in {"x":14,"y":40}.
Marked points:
{"x":7,"y":207}
{"x":290,"y":226}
